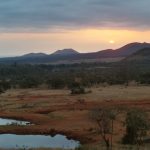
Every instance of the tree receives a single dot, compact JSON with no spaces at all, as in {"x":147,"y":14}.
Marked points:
{"x":145,"y":78}
{"x":29,"y":82}
{"x":77,"y":89}
{"x":4,"y":85}
{"x":56,"y":83}
{"x":105,"y":120}
{"x":137,"y":125}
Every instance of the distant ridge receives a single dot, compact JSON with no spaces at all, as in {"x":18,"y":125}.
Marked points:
{"x":34,"y":55}
{"x":131,"y":48}
{"x":66,"y":52}
{"x":142,"y":55}
{"x":71,"y":55}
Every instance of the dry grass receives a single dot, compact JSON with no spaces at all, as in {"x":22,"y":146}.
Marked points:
{"x":98,"y":93}
{"x":120,"y":93}
{"x":58,"y":110}
{"x":115,"y":147}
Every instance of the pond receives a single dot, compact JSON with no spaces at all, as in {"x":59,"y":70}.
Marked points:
{"x":36,"y":141}
{"x":12,"y":122}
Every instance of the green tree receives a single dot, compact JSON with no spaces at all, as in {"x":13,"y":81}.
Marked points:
{"x":4,"y":85}
{"x":137,"y":125}
{"x":29,"y":82}
{"x":77,"y":88}
{"x":56,"y":83}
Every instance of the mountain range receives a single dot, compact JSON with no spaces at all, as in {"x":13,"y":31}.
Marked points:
{"x":71,"y":55}
{"x":142,"y":55}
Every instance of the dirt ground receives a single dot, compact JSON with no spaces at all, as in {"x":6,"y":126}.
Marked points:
{"x":56,"y":111}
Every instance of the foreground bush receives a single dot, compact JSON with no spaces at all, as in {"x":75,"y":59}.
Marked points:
{"x":137,"y":125}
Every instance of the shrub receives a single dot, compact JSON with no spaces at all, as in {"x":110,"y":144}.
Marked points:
{"x":137,"y":125}
{"x":77,"y":88}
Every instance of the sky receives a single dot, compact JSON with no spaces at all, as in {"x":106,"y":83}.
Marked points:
{"x":84,"y":25}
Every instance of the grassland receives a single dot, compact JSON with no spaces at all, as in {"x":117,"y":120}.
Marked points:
{"x":56,"y":111}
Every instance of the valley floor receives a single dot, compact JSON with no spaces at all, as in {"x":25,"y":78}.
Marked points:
{"x":56,"y":111}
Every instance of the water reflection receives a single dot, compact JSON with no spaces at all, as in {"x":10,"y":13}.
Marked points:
{"x":12,"y":122}
{"x":36,"y":141}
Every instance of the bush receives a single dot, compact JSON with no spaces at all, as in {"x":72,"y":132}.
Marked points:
{"x":4,"y":85}
{"x":29,"y":82}
{"x":56,"y":83}
{"x":77,"y":88}
{"x":137,"y":125}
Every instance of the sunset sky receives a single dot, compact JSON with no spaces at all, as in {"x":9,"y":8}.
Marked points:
{"x":85,"y":25}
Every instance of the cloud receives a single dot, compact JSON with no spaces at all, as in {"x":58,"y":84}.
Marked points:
{"x":50,"y":15}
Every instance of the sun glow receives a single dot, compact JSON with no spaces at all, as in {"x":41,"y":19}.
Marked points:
{"x":85,"y":40}
{"x":111,"y":41}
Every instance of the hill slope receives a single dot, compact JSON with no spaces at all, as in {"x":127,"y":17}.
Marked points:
{"x":65,"y":52}
{"x":131,"y":48}
{"x":70,"y":55}
{"x":34,"y":55}
{"x":140,"y":56}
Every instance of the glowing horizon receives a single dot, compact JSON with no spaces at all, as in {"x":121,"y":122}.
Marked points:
{"x":49,"y":25}
{"x":89,"y":40}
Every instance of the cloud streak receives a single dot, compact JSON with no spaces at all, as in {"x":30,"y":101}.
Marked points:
{"x":48,"y":15}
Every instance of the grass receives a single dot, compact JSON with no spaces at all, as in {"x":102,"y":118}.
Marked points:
{"x":55,"y":116}
{"x":119,"y":93}
{"x":64,"y":113}
{"x":98,"y":93}
{"x":116,"y":147}
{"x":94,"y":147}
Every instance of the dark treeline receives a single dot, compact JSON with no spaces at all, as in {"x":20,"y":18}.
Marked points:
{"x":60,"y":76}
